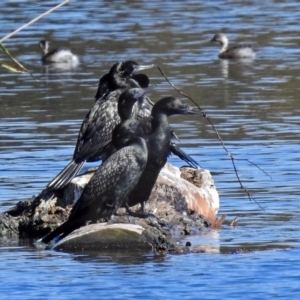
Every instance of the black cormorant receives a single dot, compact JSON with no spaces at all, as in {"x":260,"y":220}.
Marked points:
{"x":108,"y":189}
{"x":96,"y":128}
{"x":155,"y":130}
{"x":95,"y":134}
{"x":118,"y":76}
{"x":129,"y":114}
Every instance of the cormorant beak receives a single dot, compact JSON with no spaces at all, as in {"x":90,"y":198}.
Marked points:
{"x":142,"y":67}
{"x":151,"y":87}
{"x":141,"y":93}
{"x":145,"y":90}
{"x":193,"y":111}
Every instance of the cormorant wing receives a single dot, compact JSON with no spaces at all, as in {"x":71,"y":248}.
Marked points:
{"x":111,"y":183}
{"x":96,"y":129}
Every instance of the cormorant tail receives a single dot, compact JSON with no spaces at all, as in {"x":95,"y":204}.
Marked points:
{"x":184,"y":156}
{"x":65,"y":176}
{"x":61,"y":231}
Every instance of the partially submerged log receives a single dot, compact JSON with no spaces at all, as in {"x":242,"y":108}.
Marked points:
{"x":182,"y":202}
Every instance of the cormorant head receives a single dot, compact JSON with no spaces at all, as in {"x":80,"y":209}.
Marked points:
{"x":126,"y":69}
{"x":127,"y":99}
{"x":142,"y":80}
{"x":132,"y":95}
{"x":174,"y":106}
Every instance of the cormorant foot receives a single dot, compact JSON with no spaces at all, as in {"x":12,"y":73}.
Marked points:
{"x":139,"y":214}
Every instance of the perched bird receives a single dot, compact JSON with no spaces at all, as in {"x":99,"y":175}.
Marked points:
{"x":129,"y":106}
{"x":95,"y":134}
{"x":129,"y":122}
{"x":57,"y":55}
{"x":118,"y":77}
{"x":108,"y":189}
{"x":235,"y":52}
{"x":156,"y":131}
{"x":96,"y":129}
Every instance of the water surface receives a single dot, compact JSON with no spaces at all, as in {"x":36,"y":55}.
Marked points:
{"x":254,"y":105}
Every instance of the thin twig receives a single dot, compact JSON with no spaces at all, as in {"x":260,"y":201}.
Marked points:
{"x":34,"y":20}
{"x":257,"y":166}
{"x":20,"y":66}
{"x":219,"y":137}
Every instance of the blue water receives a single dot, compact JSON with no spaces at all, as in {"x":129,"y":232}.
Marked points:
{"x":254,"y":105}
{"x":193,"y":276}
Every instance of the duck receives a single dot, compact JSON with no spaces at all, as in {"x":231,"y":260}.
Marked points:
{"x":234,"y":52}
{"x":57,"y":55}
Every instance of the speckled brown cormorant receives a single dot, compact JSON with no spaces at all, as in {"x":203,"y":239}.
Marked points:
{"x":108,"y":189}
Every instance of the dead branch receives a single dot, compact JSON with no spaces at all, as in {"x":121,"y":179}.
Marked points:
{"x":219,"y":137}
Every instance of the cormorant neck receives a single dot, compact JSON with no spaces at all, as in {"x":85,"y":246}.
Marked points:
{"x":118,"y":82}
{"x":159,"y":120}
{"x":125,"y":111}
